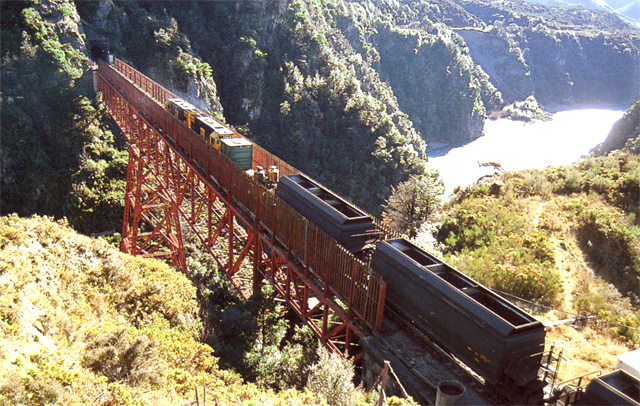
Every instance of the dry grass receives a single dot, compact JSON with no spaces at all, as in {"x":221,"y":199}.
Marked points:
{"x":585,"y":350}
{"x":69,"y":301}
{"x":594,"y":347}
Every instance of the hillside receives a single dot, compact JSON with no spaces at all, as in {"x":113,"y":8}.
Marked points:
{"x":565,"y":57}
{"x":85,"y":324}
{"x":351,"y":92}
{"x":566,"y":239}
{"x":628,"y":8}
{"x":625,"y":134}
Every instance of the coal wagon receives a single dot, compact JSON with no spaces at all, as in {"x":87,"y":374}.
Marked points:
{"x":615,"y":388}
{"x":347,"y":224}
{"x":496,"y":339}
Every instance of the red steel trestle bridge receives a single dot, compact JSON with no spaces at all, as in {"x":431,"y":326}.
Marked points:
{"x":175,"y":178}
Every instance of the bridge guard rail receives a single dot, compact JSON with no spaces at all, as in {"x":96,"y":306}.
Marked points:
{"x":260,"y":155}
{"x":351,"y":281}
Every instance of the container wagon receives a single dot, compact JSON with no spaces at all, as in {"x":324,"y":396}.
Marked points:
{"x":239,"y":150}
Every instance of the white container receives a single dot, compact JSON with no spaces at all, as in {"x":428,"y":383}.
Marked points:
{"x":630,"y":363}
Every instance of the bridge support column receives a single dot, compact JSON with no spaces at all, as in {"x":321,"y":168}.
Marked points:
{"x":151,"y":225}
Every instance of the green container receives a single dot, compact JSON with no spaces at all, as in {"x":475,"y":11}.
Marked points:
{"x":239,"y":150}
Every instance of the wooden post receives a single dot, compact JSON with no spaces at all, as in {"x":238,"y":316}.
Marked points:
{"x":383,"y":383}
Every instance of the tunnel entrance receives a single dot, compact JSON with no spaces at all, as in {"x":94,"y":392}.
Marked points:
{"x":99,"y":49}
{"x":97,"y":52}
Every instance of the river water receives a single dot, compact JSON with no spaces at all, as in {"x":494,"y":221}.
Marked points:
{"x":517,"y":145}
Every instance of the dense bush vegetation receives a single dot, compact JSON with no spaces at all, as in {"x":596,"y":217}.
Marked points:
{"x":492,"y":234}
{"x":492,"y":241}
{"x":82,"y":323}
{"x":59,"y":155}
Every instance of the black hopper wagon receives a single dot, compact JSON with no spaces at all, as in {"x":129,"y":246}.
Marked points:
{"x":347,"y":224}
{"x":615,"y":388}
{"x":500,"y":342}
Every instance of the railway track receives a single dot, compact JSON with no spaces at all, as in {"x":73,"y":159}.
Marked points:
{"x":421,"y":364}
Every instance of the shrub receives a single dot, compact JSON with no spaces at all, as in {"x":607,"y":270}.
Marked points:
{"x":120,"y":357}
{"x":31,"y":390}
{"x":536,"y":183}
{"x":539,"y":284}
{"x":610,"y":242}
{"x":493,"y":243}
{"x":572,"y":180}
{"x":331,"y":378}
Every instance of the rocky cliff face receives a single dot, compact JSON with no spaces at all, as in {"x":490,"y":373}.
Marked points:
{"x":625,"y":133}
{"x":562,"y":56}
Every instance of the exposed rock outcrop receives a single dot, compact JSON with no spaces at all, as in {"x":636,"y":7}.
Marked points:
{"x":625,"y":133}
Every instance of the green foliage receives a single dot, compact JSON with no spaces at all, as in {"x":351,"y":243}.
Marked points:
{"x":64,"y":56}
{"x":491,"y":236}
{"x":306,"y":95}
{"x":331,"y":378}
{"x":414,"y":202}
{"x":610,"y":240}
{"x":29,"y":390}
{"x":614,"y":177}
{"x":257,"y":339}
{"x":527,"y":110}
{"x":491,"y":241}
{"x":189,"y":67}
{"x":88,"y":330}
{"x":59,"y":155}
{"x":435,"y":80}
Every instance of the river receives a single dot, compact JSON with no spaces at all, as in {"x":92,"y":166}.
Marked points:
{"x":517,"y":145}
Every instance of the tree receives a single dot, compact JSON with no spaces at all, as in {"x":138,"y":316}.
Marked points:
{"x":414,"y":202}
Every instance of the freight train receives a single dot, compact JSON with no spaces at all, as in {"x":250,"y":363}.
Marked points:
{"x":496,"y":339}
{"x":225,"y":140}
{"x":500,"y":342}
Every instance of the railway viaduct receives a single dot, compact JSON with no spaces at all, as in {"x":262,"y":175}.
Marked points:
{"x":176,"y":180}
{"x":178,"y":184}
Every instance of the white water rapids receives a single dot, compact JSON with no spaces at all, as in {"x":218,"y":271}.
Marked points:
{"x":517,"y":145}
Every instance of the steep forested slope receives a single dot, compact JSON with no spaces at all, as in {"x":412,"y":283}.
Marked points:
{"x":349,"y":91}
{"x":567,"y":56}
{"x":59,"y":156}
{"x":284,"y":69}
